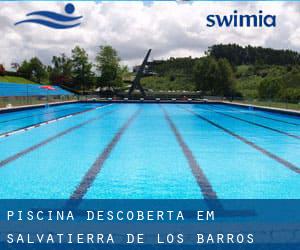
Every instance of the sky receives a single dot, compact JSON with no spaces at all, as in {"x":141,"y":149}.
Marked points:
{"x":171,"y":29}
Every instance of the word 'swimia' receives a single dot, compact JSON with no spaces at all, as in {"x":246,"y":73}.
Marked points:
{"x":241,"y":20}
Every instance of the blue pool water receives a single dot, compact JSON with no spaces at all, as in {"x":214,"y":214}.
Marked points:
{"x":149,"y":151}
{"x":17,"y":120}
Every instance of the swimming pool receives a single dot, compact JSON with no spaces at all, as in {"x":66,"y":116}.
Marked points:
{"x":171,"y":151}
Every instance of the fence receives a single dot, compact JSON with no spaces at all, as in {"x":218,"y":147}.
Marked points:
{"x":295,"y":105}
{"x":14,"y":94}
{"x":30,"y":95}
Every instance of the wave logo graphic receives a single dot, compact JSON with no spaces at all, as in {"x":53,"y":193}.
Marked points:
{"x":54,"y":20}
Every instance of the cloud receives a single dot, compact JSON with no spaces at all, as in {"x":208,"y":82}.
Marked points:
{"x":169,"y":28}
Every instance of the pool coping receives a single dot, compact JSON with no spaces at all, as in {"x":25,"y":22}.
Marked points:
{"x":242,"y":105}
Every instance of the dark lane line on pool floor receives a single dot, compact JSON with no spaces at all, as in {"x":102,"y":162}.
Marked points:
{"x":273,"y":119}
{"x":50,"y":139}
{"x":266,"y":117}
{"x":201,"y":179}
{"x":36,"y":125}
{"x":256,"y":124}
{"x":210,"y":196}
{"x":95,"y":169}
{"x":280,"y":160}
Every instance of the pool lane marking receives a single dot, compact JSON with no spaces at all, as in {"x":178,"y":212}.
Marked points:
{"x":273,"y":119}
{"x":6,"y":134}
{"x":94,"y":170}
{"x":210,"y":196}
{"x":256,"y":124}
{"x":27,"y":128}
{"x":266,"y":117}
{"x":38,"y":114}
{"x":201,"y":179}
{"x":280,"y":160}
{"x":50,"y":139}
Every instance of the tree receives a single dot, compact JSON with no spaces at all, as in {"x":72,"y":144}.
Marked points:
{"x":61,"y":70}
{"x":2,"y":70}
{"x":205,"y":73}
{"x":33,"y":70}
{"x":238,"y":55}
{"x":108,"y":65}
{"x":214,"y":76}
{"x":25,"y":69}
{"x":81,"y":69}
{"x":38,"y":70}
{"x":270,"y":88}
{"x":224,"y":84}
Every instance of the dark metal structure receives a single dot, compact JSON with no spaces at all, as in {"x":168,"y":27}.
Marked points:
{"x":136,"y":82}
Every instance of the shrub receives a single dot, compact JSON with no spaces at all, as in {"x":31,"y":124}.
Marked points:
{"x":172,"y":78}
{"x":269,"y":88}
{"x":290,"y":95}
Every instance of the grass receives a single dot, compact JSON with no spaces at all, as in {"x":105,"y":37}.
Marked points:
{"x":15,"y":79}
{"x":165,"y":83}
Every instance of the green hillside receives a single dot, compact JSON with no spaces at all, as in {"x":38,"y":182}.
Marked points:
{"x":274,"y":82}
{"x":165,"y":83}
{"x":242,"y":73}
{"x":15,"y":79}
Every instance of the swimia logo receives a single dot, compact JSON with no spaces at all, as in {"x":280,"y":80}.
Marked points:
{"x":54,"y":20}
{"x":239,"y":20}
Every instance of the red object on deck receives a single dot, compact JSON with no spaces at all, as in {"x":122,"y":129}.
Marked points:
{"x":48,"y":87}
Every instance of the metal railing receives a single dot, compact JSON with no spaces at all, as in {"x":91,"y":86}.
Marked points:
{"x":15,"y":101}
{"x":274,"y":103}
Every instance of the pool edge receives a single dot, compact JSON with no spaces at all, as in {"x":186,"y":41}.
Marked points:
{"x":242,"y":105}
